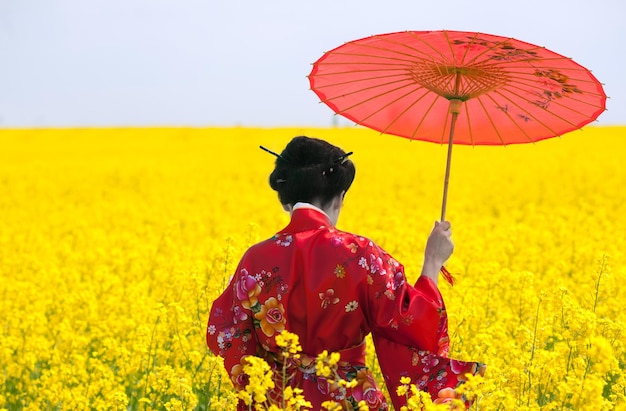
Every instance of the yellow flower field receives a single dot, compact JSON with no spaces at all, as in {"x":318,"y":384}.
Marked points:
{"x":114,"y":242}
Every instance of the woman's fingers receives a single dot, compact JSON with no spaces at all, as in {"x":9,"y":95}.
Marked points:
{"x":444,"y":226}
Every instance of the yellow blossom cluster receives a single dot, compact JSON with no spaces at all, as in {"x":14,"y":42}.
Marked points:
{"x":289,"y":342}
{"x":114,"y":243}
{"x":421,"y":401}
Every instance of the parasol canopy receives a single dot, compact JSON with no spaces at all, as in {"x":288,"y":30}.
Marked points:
{"x":457,"y":87}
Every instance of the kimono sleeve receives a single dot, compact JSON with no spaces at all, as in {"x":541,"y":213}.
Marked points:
{"x":410,"y":333}
{"x":230,"y":331}
{"x":400,"y":312}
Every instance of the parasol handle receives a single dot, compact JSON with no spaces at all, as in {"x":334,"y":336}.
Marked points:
{"x":455,"y":109}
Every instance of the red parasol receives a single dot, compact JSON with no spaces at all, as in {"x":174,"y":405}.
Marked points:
{"x":458,"y":88}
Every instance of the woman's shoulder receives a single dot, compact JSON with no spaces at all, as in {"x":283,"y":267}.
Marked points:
{"x":355,"y":242}
{"x":337,"y":239}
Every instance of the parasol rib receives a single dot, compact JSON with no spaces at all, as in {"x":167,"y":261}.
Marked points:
{"x":533,"y":103}
{"x":530,"y":85}
{"x":445,"y":34}
{"x":533,"y":63}
{"x":492,"y":47}
{"x":330,"y":99}
{"x":403,"y":112}
{"x":388,"y":50}
{"x":380,"y":109}
{"x":469,"y":125}
{"x":512,"y":119}
{"x":530,"y":62}
{"x":490,"y":120}
{"x":467,"y":49}
{"x":419,"y":125}
{"x":531,"y":116}
{"x":531,"y":79}
{"x":409,"y":47}
{"x":375,"y":86}
{"x":399,"y":66}
{"x":401,"y":71}
{"x":371,"y":59}
{"x":350,"y":82}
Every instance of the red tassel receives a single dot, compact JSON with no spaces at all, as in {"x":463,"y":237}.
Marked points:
{"x":446,"y":274}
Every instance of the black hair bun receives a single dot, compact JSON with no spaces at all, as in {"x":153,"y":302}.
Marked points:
{"x":311,"y":170}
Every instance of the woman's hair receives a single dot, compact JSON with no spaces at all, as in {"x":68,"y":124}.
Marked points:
{"x":310,"y":169}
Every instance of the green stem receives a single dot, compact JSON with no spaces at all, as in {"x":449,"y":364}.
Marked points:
{"x":602,"y":266}
{"x":532,"y":353}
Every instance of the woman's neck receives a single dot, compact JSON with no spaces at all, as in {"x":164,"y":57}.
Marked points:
{"x":331,"y":210}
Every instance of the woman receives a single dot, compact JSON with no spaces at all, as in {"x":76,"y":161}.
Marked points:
{"x":332,"y":288}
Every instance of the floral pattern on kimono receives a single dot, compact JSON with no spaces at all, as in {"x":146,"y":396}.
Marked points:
{"x":331,"y":288}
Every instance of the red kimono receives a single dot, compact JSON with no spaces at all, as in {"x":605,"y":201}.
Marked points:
{"x":332,"y":288}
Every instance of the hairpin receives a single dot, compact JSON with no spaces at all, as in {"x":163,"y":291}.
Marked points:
{"x":343,"y":158}
{"x":271,"y":152}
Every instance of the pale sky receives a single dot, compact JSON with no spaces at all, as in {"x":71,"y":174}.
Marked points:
{"x":96,"y":63}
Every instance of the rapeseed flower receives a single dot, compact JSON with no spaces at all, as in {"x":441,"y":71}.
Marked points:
{"x":114,"y":243}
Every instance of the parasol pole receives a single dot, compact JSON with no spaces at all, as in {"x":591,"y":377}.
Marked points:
{"x":455,"y":109}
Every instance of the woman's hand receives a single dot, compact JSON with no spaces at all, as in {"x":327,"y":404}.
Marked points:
{"x":439,"y":248}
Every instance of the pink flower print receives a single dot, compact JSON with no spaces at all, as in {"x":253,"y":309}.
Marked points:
{"x":328,"y":297}
{"x":229,"y":333}
{"x":458,"y":367}
{"x":239,"y":315}
{"x":284,"y":241}
{"x":322,"y":385}
{"x":429,"y":362}
{"x":247,"y":290}
{"x":367,"y":391}
{"x":363,"y":263}
{"x":335,"y":241}
{"x":462,"y":368}
{"x":372,"y":397}
{"x":396,"y":281}
{"x":225,"y":338}
{"x":422,"y":383}
{"x":337,"y":394}
{"x":376,"y":265}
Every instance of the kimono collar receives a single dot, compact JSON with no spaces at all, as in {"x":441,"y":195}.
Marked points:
{"x":304,"y":217}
